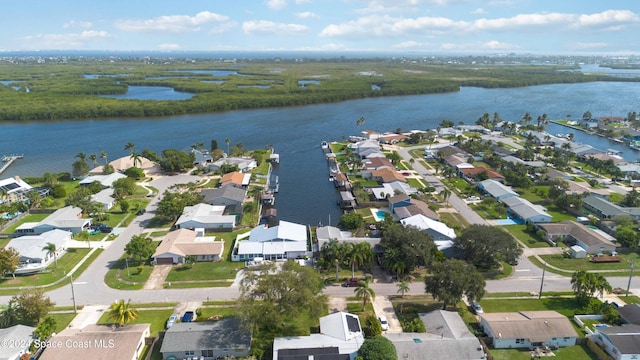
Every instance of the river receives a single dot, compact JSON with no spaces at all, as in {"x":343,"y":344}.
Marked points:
{"x":306,"y":196}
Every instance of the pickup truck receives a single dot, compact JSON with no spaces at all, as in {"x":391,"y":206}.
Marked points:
{"x":188,"y":316}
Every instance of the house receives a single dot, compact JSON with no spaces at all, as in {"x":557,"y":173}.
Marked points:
{"x":527,"y":329}
{"x":206,"y":340}
{"x":384,"y":175}
{"x":287,"y":240}
{"x":30,"y":247}
{"x":226,"y":195}
{"x":472,"y":174}
{"x":68,"y":218}
{"x":202,"y":158}
{"x":524,"y":210}
{"x":496,"y":189}
{"x":386,"y":190}
{"x":438,"y":230}
{"x":99,"y":342}
{"x":371,"y":134}
{"x":604,"y":209}
{"x":15,"y":341}
{"x":347,"y":200}
{"x":205,"y":216}
{"x":630,"y":314}
{"x":366,"y":148}
{"x":16,"y":189}
{"x":398,"y":201}
{"x":447,"y":337}
{"x":377,"y":163}
{"x":593,"y":241}
{"x":620,"y":342}
{"x":457,"y":162}
{"x":179,"y":244}
{"x":105,"y":180}
{"x":236,"y":178}
{"x":244,"y":164}
{"x":340,"y":338}
{"x":126,"y":162}
{"x":325,"y":234}
{"x":104,"y":198}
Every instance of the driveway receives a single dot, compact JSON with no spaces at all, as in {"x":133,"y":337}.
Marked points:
{"x":156,"y":279}
{"x":382,"y":306}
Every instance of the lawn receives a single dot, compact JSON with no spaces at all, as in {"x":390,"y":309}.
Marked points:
{"x":528,"y":239}
{"x":131,"y":274}
{"x":453,"y":220}
{"x":221,"y":270}
{"x":157,"y":319}
{"x":564,"y":305}
{"x":567,"y":353}
{"x":62,"y":320}
{"x":415,"y":183}
{"x":571,"y":264}
{"x":28,"y":218}
{"x":51,"y":274}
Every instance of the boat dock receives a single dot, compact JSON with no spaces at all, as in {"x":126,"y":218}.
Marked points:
{"x":8,"y":160}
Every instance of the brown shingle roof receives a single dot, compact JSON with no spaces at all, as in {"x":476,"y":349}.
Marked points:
{"x":577,"y":231}
{"x":473,"y":172}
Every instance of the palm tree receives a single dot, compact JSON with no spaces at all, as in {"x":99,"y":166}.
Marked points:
{"x":399,"y":267}
{"x":103,"y":155}
{"x":364,"y":292}
{"x":129,"y":146}
{"x":445,"y":193}
{"x":121,"y":312}
{"x":82,"y":156}
{"x":136,"y":159}
{"x":403,"y":287}
{"x":94,"y":158}
{"x":9,"y":316}
{"x":359,"y":254}
{"x":227,"y":141}
{"x":51,"y":249}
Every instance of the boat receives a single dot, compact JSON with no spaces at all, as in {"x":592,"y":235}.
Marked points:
{"x":324,"y":145}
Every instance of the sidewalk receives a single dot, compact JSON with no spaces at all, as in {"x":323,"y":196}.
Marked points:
{"x":89,"y":315}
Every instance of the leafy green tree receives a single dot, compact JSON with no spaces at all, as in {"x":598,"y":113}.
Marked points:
{"x":372,"y":327}
{"x":364,"y":292}
{"x":414,"y":247}
{"x":190,"y":260}
{"x":358,"y":254}
{"x":140,"y":248}
{"x":108,"y":169}
{"x":134,"y":172}
{"x":9,"y":261}
{"x":122,"y":313}
{"x":80,"y":168}
{"x":333,"y":254}
{"x":80,"y":198}
{"x":378,"y":348}
{"x":124,"y":187}
{"x":176,"y":161}
{"x":51,"y":249}
{"x":485,"y":246}
{"x":124,"y":205}
{"x":351,"y":221}
{"x":45,"y":328}
{"x":149,"y":155}
{"x":172,"y":203}
{"x":452,"y":279}
{"x":32,"y":305}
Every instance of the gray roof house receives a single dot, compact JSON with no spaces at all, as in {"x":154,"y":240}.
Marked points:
{"x":205,"y":216}
{"x":32,"y":257}
{"x":105,"y":180}
{"x":15,"y":341}
{"x":326,"y":233}
{"x":340,"y":338}
{"x":630,"y":314}
{"x":447,"y":337}
{"x":226,"y":195}
{"x":573,"y":233}
{"x":604,"y":209}
{"x":206,"y":340}
{"x":68,"y":218}
{"x":243,"y":164}
{"x":496,"y":189}
{"x":620,"y":342}
{"x":528,"y":329}
{"x":526,"y":211}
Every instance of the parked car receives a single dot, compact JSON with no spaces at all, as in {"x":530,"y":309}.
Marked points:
{"x":141,"y":212}
{"x":105,"y":229}
{"x":188,"y":316}
{"x":384,"y":324}
{"x":477,"y":309}
{"x":172,"y":320}
{"x":353,"y":282}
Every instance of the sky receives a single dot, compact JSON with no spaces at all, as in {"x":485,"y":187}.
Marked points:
{"x":402,"y":26}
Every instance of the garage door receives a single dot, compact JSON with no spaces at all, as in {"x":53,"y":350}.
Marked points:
{"x":164,"y":261}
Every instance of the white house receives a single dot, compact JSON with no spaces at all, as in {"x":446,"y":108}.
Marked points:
{"x":528,"y":329}
{"x":526,"y":211}
{"x":179,"y":244}
{"x":620,"y":342}
{"x":287,"y":240}
{"x":340,"y":338}
{"x":16,"y":189}
{"x":32,"y":257}
{"x":15,"y":341}
{"x":438,"y":230}
{"x":105,"y":180}
{"x":68,"y":218}
{"x":205,"y":216}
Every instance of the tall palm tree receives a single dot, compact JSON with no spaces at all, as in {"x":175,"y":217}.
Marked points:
{"x":403,"y":287}
{"x":129,"y":146}
{"x":227,"y":141}
{"x":359,"y":254}
{"x":9,"y":316}
{"x":51,"y":249}
{"x":81,"y":156}
{"x":94,"y":158}
{"x":364,"y":292}
{"x":399,"y":267}
{"x":137,"y":161}
{"x":122,"y":313}
{"x":103,"y":155}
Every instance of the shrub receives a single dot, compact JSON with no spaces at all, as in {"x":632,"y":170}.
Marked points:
{"x":58,"y":192}
{"x":378,"y":348}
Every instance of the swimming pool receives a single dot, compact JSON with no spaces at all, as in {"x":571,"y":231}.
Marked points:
{"x":378,"y":214}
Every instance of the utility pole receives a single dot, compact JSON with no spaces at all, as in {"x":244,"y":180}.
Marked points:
{"x":630,"y":275}
{"x":73,"y":295}
{"x":544,"y":269}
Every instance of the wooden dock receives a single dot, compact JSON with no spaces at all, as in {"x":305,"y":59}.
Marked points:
{"x":8,"y":160}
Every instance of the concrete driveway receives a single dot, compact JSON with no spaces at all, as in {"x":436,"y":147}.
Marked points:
{"x":382,"y":306}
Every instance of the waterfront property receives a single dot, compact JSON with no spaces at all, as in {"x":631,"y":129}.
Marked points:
{"x":33,"y":257}
{"x":244,"y":164}
{"x":16,"y":190}
{"x":528,"y":329}
{"x":286,"y":240}
{"x":206,"y":340}
{"x":340,"y":338}
{"x":68,"y":218}
{"x":325,"y":234}
{"x":225,"y":195}
{"x":179,"y":244}
{"x":447,"y":337}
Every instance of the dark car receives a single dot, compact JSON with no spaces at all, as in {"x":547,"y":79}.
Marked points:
{"x":188,"y":316}
{"x":141,"y":212}
{"x":353,"y":282}
{"x":105,"y":229}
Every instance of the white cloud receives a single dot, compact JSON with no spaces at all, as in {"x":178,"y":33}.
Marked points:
{"x":270,"y":27}
{"x":276,"y":4}
{"x":306,"y":15}
{"x":409,"y":45}
{"x":492,"y":45}
{"x":171,"y":23}
{"x":169,"y":47}
{"x":584,"y":46}
{"x":324,"y":47}
{"x":479,"y":11}
{"x":68,"y":41}
{"x":608,"y":18}
{"x":222,"y":27}
{"x":80,"y":24}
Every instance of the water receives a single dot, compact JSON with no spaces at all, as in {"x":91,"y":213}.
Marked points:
{"x":306,"y":195}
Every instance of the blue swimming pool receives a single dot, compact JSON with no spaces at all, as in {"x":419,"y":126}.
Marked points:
{"x":380,"y":214}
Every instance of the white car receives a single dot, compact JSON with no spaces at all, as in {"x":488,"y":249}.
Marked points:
{"x":384,"y":324}
{"x":172,"y":320}
{"x":477,"y":308}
